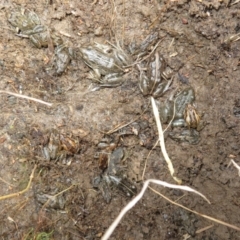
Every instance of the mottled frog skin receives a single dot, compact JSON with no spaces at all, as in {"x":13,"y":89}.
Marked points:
{"x":152,"y":82}
{"x":107,"y":63}
{"x":24,"y":20}
{"x":190,"y":136}
{"x":185,"y":97}
{"x":28,"y":24}
{"x":114,"y":177}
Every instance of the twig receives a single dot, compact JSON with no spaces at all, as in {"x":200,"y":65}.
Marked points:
{"x":187,"y":236}
{"x":145,"y":165}
{"x":23,"y":191}
{"x":26,"y":97}
{"x":235,"y":2}
{"x":1,"y":179}
{"x":121,"y":125}
{"x":162,"y":143}
{"x":54,"y":196}
{"x":134,"y":201}
{"x":235,"y":165}
{"x":137,"y":62}
{"x":195,"y":212}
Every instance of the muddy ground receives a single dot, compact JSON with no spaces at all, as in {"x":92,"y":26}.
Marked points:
{"x":196,"y":41}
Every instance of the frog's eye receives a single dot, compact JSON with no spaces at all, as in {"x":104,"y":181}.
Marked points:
{"x":109,"y":50}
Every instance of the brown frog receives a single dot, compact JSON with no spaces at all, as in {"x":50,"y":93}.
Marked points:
{"x":59,"y":147}
{"x":113,"y":177}
{"x":152,"y":82}
{"x":181,"y":101}
{"x":191,"y":116}
{"x":106,"y":62}
{"x":190,"y":136}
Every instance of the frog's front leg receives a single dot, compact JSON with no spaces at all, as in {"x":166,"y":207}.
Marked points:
{"x":161,"y":88}
{"x":95,"y":75}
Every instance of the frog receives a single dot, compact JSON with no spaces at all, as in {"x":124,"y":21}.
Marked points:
{"x":191,"y":136}
{"x":107,"y":63}
{"x":114,"y":177}
{"x":24,"y":20}
{"x":191,"y":117}
{"x":28,"y":24}
{"x":152,"y":82}
{"x":181,"y":101}
{"x":52,"y":151}
{"x":59,"y":147}
{"x":62,"y":57}
{"x":51,"y":201}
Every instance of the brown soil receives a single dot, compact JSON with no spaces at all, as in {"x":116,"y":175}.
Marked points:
{"x":195,"y":41}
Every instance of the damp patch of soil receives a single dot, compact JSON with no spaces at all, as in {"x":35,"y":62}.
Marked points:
{"x":200,"y":43}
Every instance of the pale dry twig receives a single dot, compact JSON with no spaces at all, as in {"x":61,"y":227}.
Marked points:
{"x":133,"y":202}
{"x":235,"y":165}
{"x":26,"y":97}
{"x":23,"y":191}
{"x":162,"y":143}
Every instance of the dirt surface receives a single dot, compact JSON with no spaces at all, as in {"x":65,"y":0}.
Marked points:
{"x":197,"y":40}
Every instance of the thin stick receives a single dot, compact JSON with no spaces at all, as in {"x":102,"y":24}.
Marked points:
{"x":195,"y":212}
{"x":134,"y":201}
{"x":145,"y":166}
{"x":187,"y":236}
{"x":23,"y":191}
{"x":6,"y":182}
{"x":137,"y":62}
{"x":26,"y":97}
{"x":122,"y":125}
{"x":54,"y":196}
{"x":235,"y":2}
{"x":235,"y":165}
{"x":162,"y":143}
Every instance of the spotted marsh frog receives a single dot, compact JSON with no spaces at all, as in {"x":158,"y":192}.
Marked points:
{"x":62,"y":57}
{"x":107,"y":63}
{"x":152,"y":82}
{"x":24,"y":20}
{"x":59,"y":147}
{"x":114,"y":177}
{"x":28,"y":24}
{"x":185,"y":97}
{"x":190,"y":136}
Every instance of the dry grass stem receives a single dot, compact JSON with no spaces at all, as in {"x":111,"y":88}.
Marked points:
{"x":162,"y":143}
{"x":122,"y":125}
{"x":187,"y":236}
{"x":195,"y":212}
{"x":53,"y":198}
{"x":26,"y":97}
{"x":1,"y":179}
{"x":145,"y":165}
{"x":23,"y":191}
{"x":134,"y":201}
{"x":235,"y":165}
{"x":235,"y":2}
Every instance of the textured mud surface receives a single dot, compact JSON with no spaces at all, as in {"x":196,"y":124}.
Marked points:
{"x":197,"y":40}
